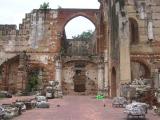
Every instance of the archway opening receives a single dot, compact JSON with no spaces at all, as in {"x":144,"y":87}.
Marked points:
{"x":77,"y":26}
{"x":134,"y":34}
{"x":79,"y":37}
{"x":113,"y":83}
{"x":139,"y":70}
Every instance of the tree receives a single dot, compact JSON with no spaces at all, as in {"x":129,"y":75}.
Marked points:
{"x":44,"y":6}
{"x":84,"y":36}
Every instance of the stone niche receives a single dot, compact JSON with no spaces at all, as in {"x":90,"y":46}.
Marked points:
{"x":79,"y":78}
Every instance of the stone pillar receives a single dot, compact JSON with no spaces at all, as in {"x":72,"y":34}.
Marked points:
{"x":21,"y":82}
{"x":22,"y":73}
{"x":150,"y":31}
{"x":101,"y":83}
{"x":58,"y":76}
{"x":106,"y":75}
{"x":125,"y":67}
{"x":156,"y":79}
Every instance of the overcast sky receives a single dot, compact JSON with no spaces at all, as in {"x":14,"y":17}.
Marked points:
{"x":12,"y":11}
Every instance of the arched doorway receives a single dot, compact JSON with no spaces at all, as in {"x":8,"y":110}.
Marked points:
{"x":113,"y":83}
{"x":77,"y":45}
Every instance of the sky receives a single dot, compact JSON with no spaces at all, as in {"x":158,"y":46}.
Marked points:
{"x":13,"y":11}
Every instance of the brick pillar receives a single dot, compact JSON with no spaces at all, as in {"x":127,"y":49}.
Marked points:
{"x":5,"y":81}
{"x":101,"y":82}
{"x":22,"y":72}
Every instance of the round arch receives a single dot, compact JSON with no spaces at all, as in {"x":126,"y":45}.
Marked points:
{"x":65,"y":15}
{"x":139,"y":68}
{"x":78,"y":15}
{"x":77,"y":25}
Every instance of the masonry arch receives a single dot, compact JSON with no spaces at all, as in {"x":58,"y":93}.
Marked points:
{"x":134,"y":32}
{"x":139,"y":69}
{"x":78,"y":25}
{"x":65,"y":15}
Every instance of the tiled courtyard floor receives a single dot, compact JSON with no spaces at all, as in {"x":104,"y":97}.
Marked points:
{"x":77,"y":108}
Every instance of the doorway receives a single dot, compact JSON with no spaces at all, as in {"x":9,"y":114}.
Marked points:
{"x":113,"y":83}
{"x":79,"y":81}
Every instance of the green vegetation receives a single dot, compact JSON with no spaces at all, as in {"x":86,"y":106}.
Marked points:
{"x":99,"y":97}
{"x":84,"y":36}
{"x":1,"y":96}
{"x":44,"y":6}
{"x":32,"y":81}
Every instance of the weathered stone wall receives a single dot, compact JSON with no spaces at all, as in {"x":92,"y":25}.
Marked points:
{"x":9,"y":72}
{"x":40,"y":35}
{"x":37,"y":35}
{"x":138,"y":19}
{"x":146,"y":14}
{"x":90,"y":73}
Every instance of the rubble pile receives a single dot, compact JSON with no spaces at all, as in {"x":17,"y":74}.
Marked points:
{"x":119,"y":102}
{"x":52,"y":91}
{"x":136,"y":109}
{"x":26,"y":103}
{"x":141,"y":85}
{"x":5,"y":94}
{"x":42,"y":102}
{"x":156,"y":109}
{"x":2,"y":112}
{"x":136,"y":89}
{"x":10,"y":111}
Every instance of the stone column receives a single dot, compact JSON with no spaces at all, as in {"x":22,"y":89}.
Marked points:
{"x":58,"y":76}
{"x":101,"y":78}
{"x":106,"y":75}
{"x":150,"y":31}
{"x":124,"y":44}
{"x":156,"y":78}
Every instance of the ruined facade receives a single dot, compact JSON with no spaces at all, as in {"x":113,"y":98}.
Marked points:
{"x":40,"y":49}
{"x":124,"y":47}
{"x":133,"y":41}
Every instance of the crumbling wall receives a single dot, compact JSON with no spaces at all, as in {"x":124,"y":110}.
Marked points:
{"x":147,"y":17}
{"x":35,"y":37}
{"x":90,"y":72}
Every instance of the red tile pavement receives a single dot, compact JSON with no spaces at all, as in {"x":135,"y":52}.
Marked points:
{"x":78,"y":108}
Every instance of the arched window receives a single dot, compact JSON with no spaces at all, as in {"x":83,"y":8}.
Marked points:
{"x":134,"y":33}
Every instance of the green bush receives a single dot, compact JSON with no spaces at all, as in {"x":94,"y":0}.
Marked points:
{"x":32,"y":82}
